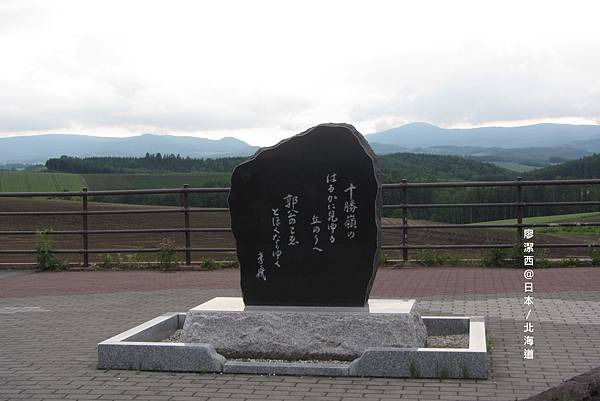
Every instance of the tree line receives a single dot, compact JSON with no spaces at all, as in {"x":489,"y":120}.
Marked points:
{"x":150,"y":162}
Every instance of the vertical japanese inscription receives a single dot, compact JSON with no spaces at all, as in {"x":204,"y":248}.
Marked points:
{"x":316,"y":229}
{"x":276,"y":222}
{"x":350,"y":207}
{"x":332,"y":219}
{"x":290,"y":204}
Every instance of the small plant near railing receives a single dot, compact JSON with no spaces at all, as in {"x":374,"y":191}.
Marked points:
{"x":517,"y":256}
{"x":106,"y":261}
{"x":595,"y":254}
{"x":568,"y":262}
{"x":427,"y":257}
{"x":382,"y":258}
{"x":541,"y":259}
{"x":496,"y":257}
{"x":47,"y":260}
{"x":135,"y":261}
{"x":167,"y":257}
{"x":118,"y":261}
{"x":209,"y":264}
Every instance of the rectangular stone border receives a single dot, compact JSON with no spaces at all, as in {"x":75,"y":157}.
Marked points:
{"x":141,"y":348}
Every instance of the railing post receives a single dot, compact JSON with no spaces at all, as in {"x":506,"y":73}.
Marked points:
{"x":519,"y":210}
{"x":84,"y":204}
{"x":186,"y":212}
{"x":404,"y":220}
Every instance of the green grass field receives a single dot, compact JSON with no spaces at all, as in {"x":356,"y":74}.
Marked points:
{"x":28,"y":181}
{"x":560,"y":218}
{"x":516,"y":167}
{"x":99,"y":182}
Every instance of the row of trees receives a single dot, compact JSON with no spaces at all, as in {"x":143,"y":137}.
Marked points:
{"x":150,"y":162}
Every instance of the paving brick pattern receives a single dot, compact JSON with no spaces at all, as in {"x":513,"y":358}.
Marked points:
{"x":412,"y":282}
{"x":48,"y":345}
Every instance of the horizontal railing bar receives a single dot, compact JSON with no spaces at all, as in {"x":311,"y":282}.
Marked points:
{"x":124,"y":231}
{"x":92,"y":212}
{"x":114,"y":192}
{"x":123,"y":250}
{"x":489,"y":204}
{"x":563,"y":203}
{"x":118,"y":211}
{"x":453,"y":246}
{"x":450,"y":184}
{"x":43,"y":213}
{"x":136,"y":211}
{"x":488,"y":246}
{"x":482,"y":225}
{"x":435,"y":205}
{"x":208,"y":209}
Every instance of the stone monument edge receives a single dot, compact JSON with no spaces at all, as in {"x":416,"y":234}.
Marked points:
{"x":376,"y":173}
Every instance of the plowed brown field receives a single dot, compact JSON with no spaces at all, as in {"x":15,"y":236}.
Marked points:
{"x":211,"y":219}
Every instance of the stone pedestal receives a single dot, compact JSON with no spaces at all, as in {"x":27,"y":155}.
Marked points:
{"x":303,"y":333}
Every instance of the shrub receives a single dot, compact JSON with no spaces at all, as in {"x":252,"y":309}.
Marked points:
{"x":46,"y":260}
{"x":568,"y":262}
{"x":106,"y":261}
{"x":382,"y":258}
{"x":209,"y":264}
{"x":541,"y":260}
{"x":496,"y":257}
{"x":595,"y":254}
{"x":135,"y":260}
{"x":454,"y":260}
{"x":428,"y":257}
{"x":167,"y":257}
{"x":517,"y":255}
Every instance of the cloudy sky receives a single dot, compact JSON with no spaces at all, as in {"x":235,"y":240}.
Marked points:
{"x":264,"y":70}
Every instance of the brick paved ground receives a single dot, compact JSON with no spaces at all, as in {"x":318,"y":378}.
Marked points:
{"x":50,"y":325}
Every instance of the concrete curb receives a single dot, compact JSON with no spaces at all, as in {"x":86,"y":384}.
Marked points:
{"x":141,"y":348}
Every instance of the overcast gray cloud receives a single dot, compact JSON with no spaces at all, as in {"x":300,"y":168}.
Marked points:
{"x":265,"y":70}
{"x":515,"y":83}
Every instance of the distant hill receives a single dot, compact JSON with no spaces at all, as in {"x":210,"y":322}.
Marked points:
{"x":39,"y":148}
{"x":591,"y":145}
{"x":385,"y":149}
{"x":587,"y":167}
{"x":423,"y":167}
{"x":534,"y":145}
{"x":417,"y":135}
{"x":527,"y":156}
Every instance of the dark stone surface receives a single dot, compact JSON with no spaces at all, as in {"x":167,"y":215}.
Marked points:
{"x":585,"y":387}
{"x":341,"y":272}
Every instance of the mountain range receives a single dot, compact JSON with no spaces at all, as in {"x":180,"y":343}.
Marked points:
{"x":39,"y":148}
{"x":538,"y":144}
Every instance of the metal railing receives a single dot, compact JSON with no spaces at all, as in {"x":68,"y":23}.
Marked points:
{"x":519,"y":205}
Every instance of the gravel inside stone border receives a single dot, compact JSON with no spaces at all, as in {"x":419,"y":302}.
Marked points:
{"x":449,"y":341}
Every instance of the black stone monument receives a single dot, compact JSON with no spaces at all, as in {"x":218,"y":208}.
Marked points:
{"x":305,"y":214}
